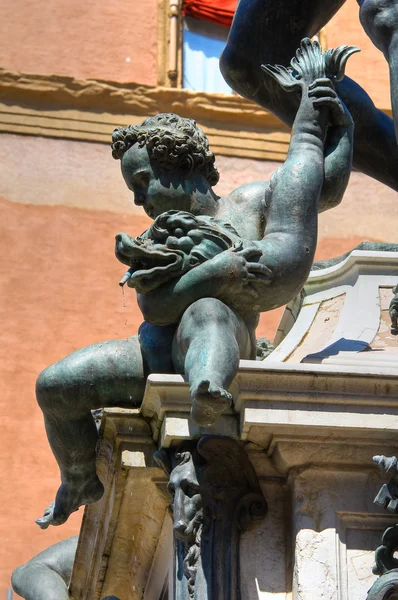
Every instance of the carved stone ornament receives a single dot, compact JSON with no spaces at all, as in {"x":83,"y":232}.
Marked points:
{"x":386,"y":587}
{"x":388,"y":494}
{"x":393,"y":310}
{"x":215,"y":496}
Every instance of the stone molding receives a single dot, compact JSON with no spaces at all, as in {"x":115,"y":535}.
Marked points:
{"x":335,"y":530}
{"x":298,"y":414}
{"x":358,"y":280}
{"x":88,"y":110}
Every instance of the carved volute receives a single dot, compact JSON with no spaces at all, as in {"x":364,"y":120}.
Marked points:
{"x":215,"y":496}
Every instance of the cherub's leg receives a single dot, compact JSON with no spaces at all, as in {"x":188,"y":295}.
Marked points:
{"x":105,"y":374}
{"x":208,"y":344}
{"x":46,"y":576}
{"x":379,"y":19}
{"x":269,"y":31}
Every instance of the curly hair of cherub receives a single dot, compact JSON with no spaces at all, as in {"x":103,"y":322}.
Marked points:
{"x":173,"y":143}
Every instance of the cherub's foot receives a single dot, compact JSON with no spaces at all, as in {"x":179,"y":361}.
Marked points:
{"x":208,"y":403}
{"x":69,"y":499}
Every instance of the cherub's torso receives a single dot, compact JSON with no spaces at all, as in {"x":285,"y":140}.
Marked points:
{"x":245,"y":210}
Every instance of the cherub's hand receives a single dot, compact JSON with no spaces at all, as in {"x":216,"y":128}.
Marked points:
{"x":238,"y":269}
{"x":322,"y":93}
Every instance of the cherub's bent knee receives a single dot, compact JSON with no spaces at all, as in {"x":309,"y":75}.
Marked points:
{"x":49,"y":388}
{"x":44,"y":383}
{"x":205,"y":312}
{"x":19,"y":579}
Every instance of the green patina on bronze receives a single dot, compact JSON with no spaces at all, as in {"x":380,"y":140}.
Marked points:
{"x":204,"y":270}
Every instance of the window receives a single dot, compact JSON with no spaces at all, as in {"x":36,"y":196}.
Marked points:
{"x":203,"y":43}
{"x":191,"y":37}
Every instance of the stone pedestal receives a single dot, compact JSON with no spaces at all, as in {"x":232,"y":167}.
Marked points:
{"x":310,"y":418}
{"x":124,"y":533}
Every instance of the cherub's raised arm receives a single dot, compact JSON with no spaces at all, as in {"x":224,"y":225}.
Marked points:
{"x":290,"y":235}
{"x":292,"y":205}
{"x":338,"y":160}
{"x":320,"y":152}
{"x":296,"y":186}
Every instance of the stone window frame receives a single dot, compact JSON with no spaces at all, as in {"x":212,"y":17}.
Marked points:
{"x":170,"y":43}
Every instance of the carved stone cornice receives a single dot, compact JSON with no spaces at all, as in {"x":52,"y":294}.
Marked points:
{"x":89,"y":109}
{"x":62,"y":92}
{"x":60,"y":106}
{"x":279,"y":403}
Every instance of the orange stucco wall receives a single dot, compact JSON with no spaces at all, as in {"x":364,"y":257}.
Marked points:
{"x":117,"y":41}
{"x":84,"y":175}
{"x":59,"y":291}
{"x":113,"y":40}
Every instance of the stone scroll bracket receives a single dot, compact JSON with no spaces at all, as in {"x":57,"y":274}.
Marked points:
{"x":216,"y":495}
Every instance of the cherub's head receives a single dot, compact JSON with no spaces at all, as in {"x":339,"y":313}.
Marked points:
{"x":166,"y":162}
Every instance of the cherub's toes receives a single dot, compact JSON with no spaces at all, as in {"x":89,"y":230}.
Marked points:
{"x":208,"y":403}
{"x":203,"y":387}
{"x":45,"y":520}
{"x":224,"y":398}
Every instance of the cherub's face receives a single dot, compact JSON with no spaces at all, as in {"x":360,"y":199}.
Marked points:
{"x":154,"y":189}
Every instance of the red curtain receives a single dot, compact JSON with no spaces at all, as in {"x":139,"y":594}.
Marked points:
{"x":215,"y":11}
